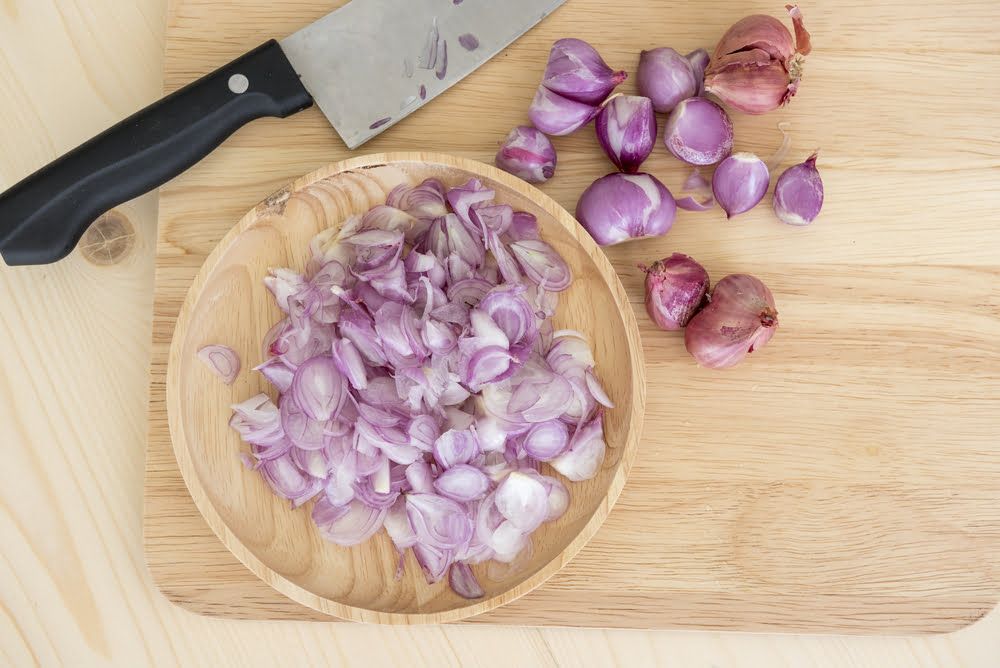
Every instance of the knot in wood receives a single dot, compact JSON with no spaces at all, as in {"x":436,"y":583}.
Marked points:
{"x":108,"y":240}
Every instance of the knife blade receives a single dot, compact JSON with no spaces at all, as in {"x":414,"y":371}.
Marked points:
{"x":366,"y":63}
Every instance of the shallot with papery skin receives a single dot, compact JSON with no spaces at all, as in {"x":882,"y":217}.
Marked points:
{"x":739,"y":318}
{"x":697,"y":183}
{"x":626,"y":130}
{"x":740,"y":183}
{"x":557,"y":115}
{"x":621,"y":207}
{"x":699,"y":132}
{"x":666,"y":77}
{"x":576,"y":71}
{"x":756,"y":67}
{"x":675,"y":290}
{"x":527,"y":154}
{"x":420,"y":383}
{"x":798,"y":194}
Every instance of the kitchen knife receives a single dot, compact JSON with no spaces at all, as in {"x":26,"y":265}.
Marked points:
{"x":367,"y":65}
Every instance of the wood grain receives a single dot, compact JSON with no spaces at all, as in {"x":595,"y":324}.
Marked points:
{"x":845,"y":478}
{"x":73,"y":586}
{"x":228,"y":304}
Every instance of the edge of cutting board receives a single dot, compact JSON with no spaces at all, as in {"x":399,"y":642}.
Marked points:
{"x":894,"y":529}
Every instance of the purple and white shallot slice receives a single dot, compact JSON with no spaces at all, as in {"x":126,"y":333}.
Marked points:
{"x":586,"y":452}
{"x":222,"y":360}
{"x":354,"y":527}
{"x":462,"y":483}
{"x":523,"y":501}
{"x":438,"y":522}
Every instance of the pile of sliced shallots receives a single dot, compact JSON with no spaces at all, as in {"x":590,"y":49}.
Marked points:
{"x":420,"y":383}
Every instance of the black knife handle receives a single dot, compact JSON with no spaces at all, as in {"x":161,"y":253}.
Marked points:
{"x":43,"y":217}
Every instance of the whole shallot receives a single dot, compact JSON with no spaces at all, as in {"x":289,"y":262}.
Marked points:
{"x":756,"y":67}
{"x":576,"y":71}
{"x":619,"y":207}
{"x":739,"y":318}
{"x":675,"y":290}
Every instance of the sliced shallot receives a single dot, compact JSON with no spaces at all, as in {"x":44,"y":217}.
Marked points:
{"x":421,"y":381}
{"x":222,"y":360}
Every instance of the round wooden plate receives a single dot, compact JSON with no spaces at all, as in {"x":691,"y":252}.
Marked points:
{"x":228,"y":304}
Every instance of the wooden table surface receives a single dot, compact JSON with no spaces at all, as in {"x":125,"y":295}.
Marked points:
{"x":73,"y":585}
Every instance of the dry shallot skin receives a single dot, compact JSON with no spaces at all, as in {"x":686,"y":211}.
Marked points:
{"x":756,"y":66}
{"x":740,"y":317}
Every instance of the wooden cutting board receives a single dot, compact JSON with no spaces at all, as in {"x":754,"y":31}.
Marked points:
{"x":846,"y":478}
